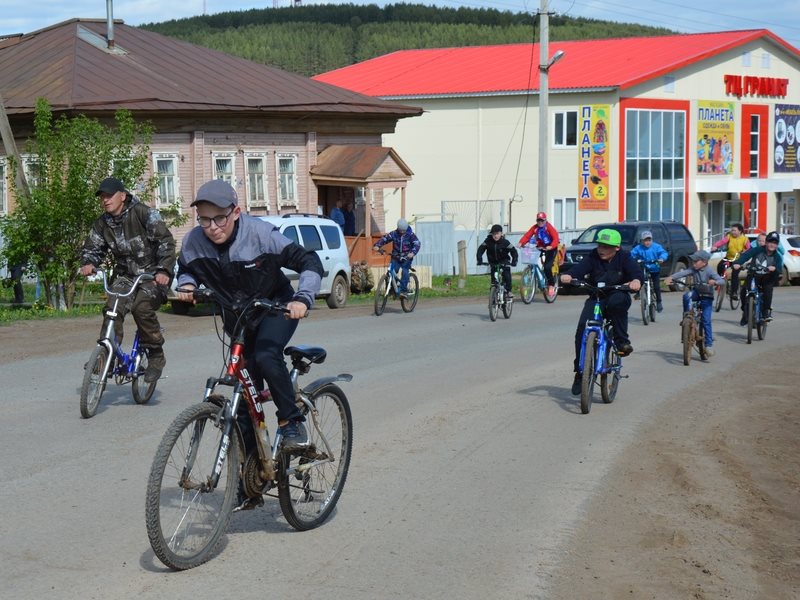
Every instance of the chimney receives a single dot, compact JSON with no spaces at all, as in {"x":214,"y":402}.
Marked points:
{"x":110,"y":23}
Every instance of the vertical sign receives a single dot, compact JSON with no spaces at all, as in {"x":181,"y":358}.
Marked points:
{"x":593,"y":157}
{"x":787,"y":120}
{"x":715,"y":133}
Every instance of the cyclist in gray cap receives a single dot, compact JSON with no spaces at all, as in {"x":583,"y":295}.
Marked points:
{"x":405,"y":246}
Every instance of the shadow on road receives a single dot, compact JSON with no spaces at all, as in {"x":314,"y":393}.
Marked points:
{"x":560,"y":395}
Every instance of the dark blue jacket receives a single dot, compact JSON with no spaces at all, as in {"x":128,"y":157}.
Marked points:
{"x":620,"y":269}
{"x":402,"y":243}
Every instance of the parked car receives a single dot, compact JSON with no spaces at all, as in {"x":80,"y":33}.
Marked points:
{"x":676,"y":239}
{"x":323,"y":236}
{"x":791,"y":257}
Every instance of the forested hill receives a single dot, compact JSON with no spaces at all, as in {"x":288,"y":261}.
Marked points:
{"x":313,"y":39}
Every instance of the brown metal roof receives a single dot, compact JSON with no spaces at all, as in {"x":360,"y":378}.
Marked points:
{"x":360,"y":163}
{"x":70,"y":65}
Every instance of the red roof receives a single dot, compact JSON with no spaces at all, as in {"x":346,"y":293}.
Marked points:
{"x":591,"y":64}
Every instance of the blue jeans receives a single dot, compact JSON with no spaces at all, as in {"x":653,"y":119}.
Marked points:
{"x":705,"y":304}
{"x":403,"y":266}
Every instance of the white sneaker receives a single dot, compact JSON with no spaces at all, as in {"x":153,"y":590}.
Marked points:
{"x":710,"y":352}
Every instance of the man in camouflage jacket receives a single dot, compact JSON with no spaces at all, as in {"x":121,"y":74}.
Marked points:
{"x":139,"y":241}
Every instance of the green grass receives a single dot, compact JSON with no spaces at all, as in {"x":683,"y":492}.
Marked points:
{"x":442,"y":287}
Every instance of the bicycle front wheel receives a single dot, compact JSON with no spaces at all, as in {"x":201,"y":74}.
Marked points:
{"x":381,"y":294}
{"x":94,"y":381}
{"x":412,"y":293}
{"x":311,"y":481}
{"x":142,"y":390}
{"x":527,"y":285}
{"x":589,"y":362}
{"x":687,"y":337}
{"x":494,"y":303}
{"x":185,"y":515}
{"x":719,"y":296}
{"x":609,"y":381}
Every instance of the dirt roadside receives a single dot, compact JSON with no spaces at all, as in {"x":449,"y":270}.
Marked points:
{"x":705,"y":503}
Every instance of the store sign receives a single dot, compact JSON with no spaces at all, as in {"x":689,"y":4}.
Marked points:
{"x":593,"y":157}
{"x":787,"y":126}
{"x":747,"y":85}
{"x":715,"y":130}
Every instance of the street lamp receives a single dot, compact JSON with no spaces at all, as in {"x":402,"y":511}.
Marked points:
{"x":544,"y":121}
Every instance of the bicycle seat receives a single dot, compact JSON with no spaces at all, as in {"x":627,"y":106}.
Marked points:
{"x":315,"y":354}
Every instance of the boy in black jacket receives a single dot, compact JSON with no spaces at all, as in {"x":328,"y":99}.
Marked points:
{"x":499,"y":251}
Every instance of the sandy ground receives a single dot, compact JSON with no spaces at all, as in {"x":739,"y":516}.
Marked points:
{"x":705,"y":503}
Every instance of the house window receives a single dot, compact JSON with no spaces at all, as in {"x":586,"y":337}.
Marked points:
{"x":166,"y":169}
{"x":256,"y":169}
{"x":565,"y":213}
{"x":3,"y":188}
{"x":565,"y":129}
{"x":669,"y":84}
{"x":287,"y":178}
{"x":32,"y":170}
{"x":755,"y":136}
{"x":224,"y":167}
{"x":747,"y":59}
{"x":765,"y":60}
{"x":654,"y":165}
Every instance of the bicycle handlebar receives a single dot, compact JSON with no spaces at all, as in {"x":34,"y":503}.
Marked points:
{"x":203,"y":295}
{"x":142,"y":277}
{"x":599,"y":289}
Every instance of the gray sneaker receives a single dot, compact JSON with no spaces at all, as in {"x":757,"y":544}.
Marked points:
{"x":294,"y":435}
{"x":710,"y":351}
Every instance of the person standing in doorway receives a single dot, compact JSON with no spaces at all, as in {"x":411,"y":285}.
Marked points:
{"x":337,"y":215}
{"x":349,"y":219}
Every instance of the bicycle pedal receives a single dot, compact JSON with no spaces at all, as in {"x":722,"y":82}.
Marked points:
{"x":249,"y":504}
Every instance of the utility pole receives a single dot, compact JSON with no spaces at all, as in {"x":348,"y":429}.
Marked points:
{"x":544,"y":121}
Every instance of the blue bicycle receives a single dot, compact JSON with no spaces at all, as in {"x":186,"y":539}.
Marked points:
{"x":109,"y":360}
{"x":599,"y":355}
{"x":753,"y":300}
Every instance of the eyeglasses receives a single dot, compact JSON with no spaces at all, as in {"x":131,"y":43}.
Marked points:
{"x":219,"y":220}
{"x":540,"y":220}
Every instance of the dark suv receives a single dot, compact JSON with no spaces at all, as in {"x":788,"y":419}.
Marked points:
{"x":675,"y":237}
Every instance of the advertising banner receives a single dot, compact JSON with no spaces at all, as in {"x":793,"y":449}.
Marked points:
{"x":787,"y":120}
{"x":715,"y":136}
{"x":593,"y":157}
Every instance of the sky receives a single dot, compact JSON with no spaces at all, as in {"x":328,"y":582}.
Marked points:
{"x":782,"y":17}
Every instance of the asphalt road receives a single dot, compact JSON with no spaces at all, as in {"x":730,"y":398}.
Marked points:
{"x":472,"y":464}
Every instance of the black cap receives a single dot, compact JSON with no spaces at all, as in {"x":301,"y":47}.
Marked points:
{"x":110,"y":185}
{"x":217,"y":192}
{"x":496,"y":229}
{"x":773,"y":236}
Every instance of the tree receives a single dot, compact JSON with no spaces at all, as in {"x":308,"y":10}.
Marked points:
{"x":68,"y":159}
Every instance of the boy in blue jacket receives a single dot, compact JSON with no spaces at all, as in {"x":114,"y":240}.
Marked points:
{"x":405,"y":246}
{"x":652,"y":254}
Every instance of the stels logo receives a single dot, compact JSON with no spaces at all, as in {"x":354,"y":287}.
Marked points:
{"x":747,"y":85}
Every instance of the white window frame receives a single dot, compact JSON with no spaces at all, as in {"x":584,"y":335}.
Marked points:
{"x":560,"y":134}
{"x":560,"y":213}
{"x":27,"y":161}
{"x":228,"y":177}
{"x":260,"y":187}
{"x":173,"y":183}
{"x":3,"y":186}
{"x":290,"y":197}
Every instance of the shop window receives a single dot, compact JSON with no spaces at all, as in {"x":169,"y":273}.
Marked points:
{"x":747,"y":59}
{"x":669,"y":84}
{"x":256,"y":171}
{"x":654,"y":177}
{"x":565,"y":129}
{"x":765,"y":60}
{"x":166,"y":169}
{"x":565,"y":213}
{"x":224,"y":167}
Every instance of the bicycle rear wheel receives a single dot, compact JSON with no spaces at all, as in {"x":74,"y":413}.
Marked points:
{"x":310,"y":482}
{"x":761,"y":327}
{"x":494,"y":302}
{"x":735,"y":300}
{"x":687,"y":337}
{"x":412,"y":293}
{"x":185,"y":516}
{"x":609,"y":381}
{"x":719,"y":296}
{"x":381,"y":293}
{"x":653,"y":304}
{"x":700,"y":342}
{"x":527,"y":285}
{"x":508,"y":305}
{"x":751,"y":309}
{"x":587,"y":383}
{"x":550,"y":297}
{"x":94,"y":381}
{"x":644,"y":302}
{"x":142,"y":390}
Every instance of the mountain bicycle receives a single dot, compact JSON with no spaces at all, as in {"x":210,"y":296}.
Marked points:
{"x":533,"y":275}
{"x":753,"y":299}
{"x":727,"y":290}
{"x":498,"y":297}
{"x":108,"y":359}
{"x":692,"y":326}
{"x":647,"y":294}
{"x":389,"y":286}
{"x":222,"y":444}
{"x":599,"y":357}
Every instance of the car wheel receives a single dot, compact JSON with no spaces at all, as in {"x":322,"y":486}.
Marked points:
{"x":785,"y":277}
{"x":180,"y":308}
{"x":340,"y":291}
{"x":678,"y":285}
